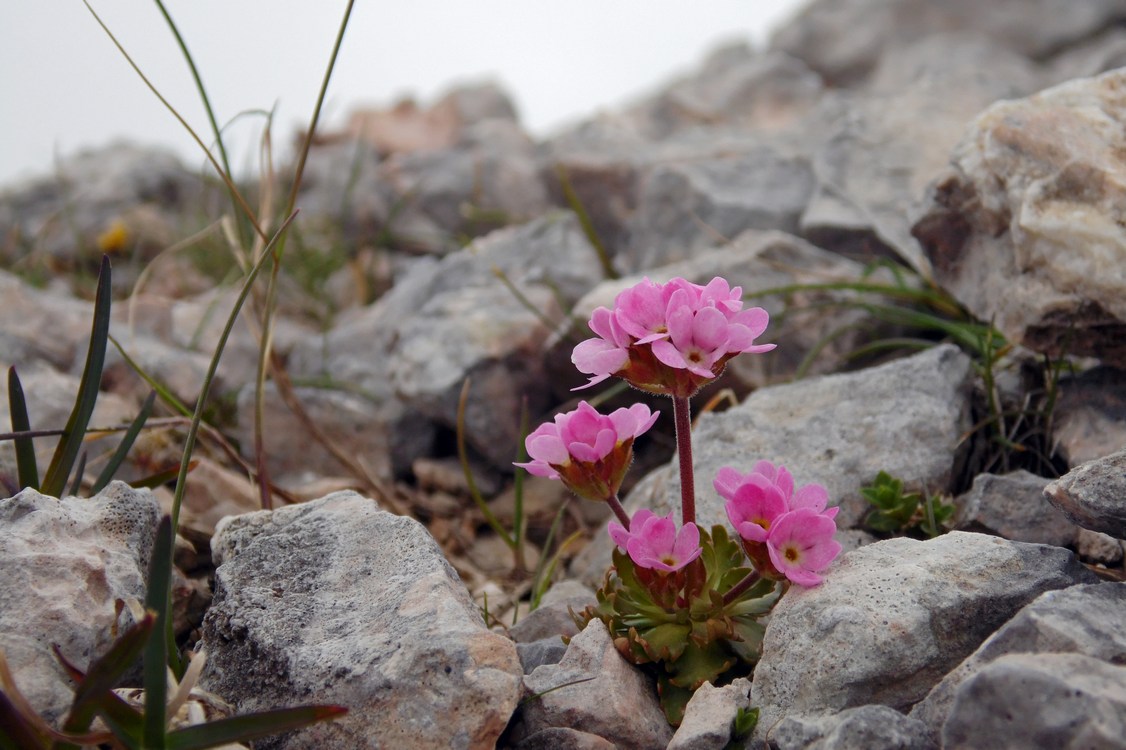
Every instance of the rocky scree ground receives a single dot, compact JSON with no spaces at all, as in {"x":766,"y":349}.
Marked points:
{"x":977,"y":145}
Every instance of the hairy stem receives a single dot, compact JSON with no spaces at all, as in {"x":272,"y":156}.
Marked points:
{"x":616,"y":506}
{"x":738,"y":589}
{"x":682,"y":417}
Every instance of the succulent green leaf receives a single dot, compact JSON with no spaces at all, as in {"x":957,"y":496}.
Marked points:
{"x":674,"y":699}
{"x":665,"y":642}
{"x":698,"y":665}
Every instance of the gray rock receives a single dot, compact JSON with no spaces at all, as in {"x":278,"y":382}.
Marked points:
{"x":1089,"y":420}
{"x":552,"y":617}
{"x":872,"y":727}
{"x":1093,"y":495}
{"x":880,"y":153}
{"x":446,"y":321}
{"x":63,"y":214}
{"x":893,"y":617}
{"x":1035,"y":30}
{"x":63,"y":563}
{"x":904,"y":417}
{"x":41,"y":326}
{"x":1087,"y":620}
{"x":685,"y":207}
{"x":709,"y":715}
{"x":547,"y":650}
{"x":1097,"y":547}
{"x":1025,"y":229}
{"x":619,"y":704}
{"x":489,"y":179}
{"x":564,"y":738}
{"x":1013,"y":506}
{"x":336,"y":601}
{"x":1066,"y":701}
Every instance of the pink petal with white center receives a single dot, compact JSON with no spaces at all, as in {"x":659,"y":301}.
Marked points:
{"x":669,"y":355}
{"x":709,"y":330}
{"x":727,"y":481}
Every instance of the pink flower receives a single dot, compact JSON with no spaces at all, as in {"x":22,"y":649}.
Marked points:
{"x":588,"y":451}
{"x":653,"y":542}
{"x":670,"y":338}
{"x":621,"y":535}
{"x":801,"y":545}
{"x":787,"y":533}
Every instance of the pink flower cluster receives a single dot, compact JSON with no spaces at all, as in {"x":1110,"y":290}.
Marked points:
{"x":786,"y":532}
{"x":588,"y":451}
{"x":653,"y":541}
{"x":670,"y":338}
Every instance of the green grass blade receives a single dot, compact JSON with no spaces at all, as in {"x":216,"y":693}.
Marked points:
{"x":463,"y":456}
{"x":209,"y":378}
{"x":250,"y":727}
{"x":105,"y":672}
{"x":54,"y":482}
{"x":166,"y":395}
{"x":158,"y":599}
{"x":27,"y":472}
{"x":123,"y":447}
{"x":79,"y":472}
{"x":584,"y":221}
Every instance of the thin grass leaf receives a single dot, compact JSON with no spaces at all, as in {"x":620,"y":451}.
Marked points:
{"x":159,"y":648}
{"x":104,"y":673}
{"x":584,"y":221}
{"x":79,"y":472}
{"x":27,"y":471}
{"x":278,"y":250}
{"x":463,"y":456}
{"x":209,"y":378}
{"x":16,"y":732}
{"x":250,"y":727}
{"x":166,"y":395}
{"x":161,"y":478}
{"x":123,"y":447}
{"x":544,"y":575}
{"x":54,"y":482}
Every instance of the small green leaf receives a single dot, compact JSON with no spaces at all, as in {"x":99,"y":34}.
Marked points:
{"x":27,"y":473}
{"x":123,"y":447}
{"x":66,"y":452}
{"x":665,"y":642}
{"x":250,"y":726}
{"x":674,"y":699}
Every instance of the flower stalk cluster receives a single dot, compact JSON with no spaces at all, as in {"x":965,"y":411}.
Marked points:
{"x":680,"y":599}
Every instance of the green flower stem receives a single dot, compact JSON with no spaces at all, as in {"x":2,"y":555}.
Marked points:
{"x":682,"y":417}
{"x":616,"y":506}
{"x":738,"y":589}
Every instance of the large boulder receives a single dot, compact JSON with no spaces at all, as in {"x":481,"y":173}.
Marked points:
{"x":892,"y":618}
{"x":1027,"y":227}
{"x":63,"y":564}
{"x":335,"y":601}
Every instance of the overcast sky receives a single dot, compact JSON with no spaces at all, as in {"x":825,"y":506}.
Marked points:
{"x":65,"y":86}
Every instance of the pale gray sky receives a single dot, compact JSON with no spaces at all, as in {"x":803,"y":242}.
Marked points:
{"x":66,"y":87}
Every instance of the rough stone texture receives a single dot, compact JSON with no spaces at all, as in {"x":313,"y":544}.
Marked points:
{"x":1090,"y":415}
{"x":735,"y":87}
{"x":1034,"y":29}
{"x":335,"y":601}
{"x":685,"y":207}
{"x":873,"y":727}
{"x":1093,"y":495}
{"x":893,"y":617}
{"x":1087,"y":620}
{"x":1014,"y":506}
{"x":64,"y":213}
{"x":62,"y":565}
{"x":878,"y":155}
{"x":552,"y":617}
{"x":1026,"y":229}
{"x":412,"y":350}
{"x":563,"y":738}
{"x":709,"y":715}
{"x":904,"y":417}
{"x":1096,"y":547}
{"x":619,"y":704}
{"x":1020,"y":701}
{"x":28,"y":336}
